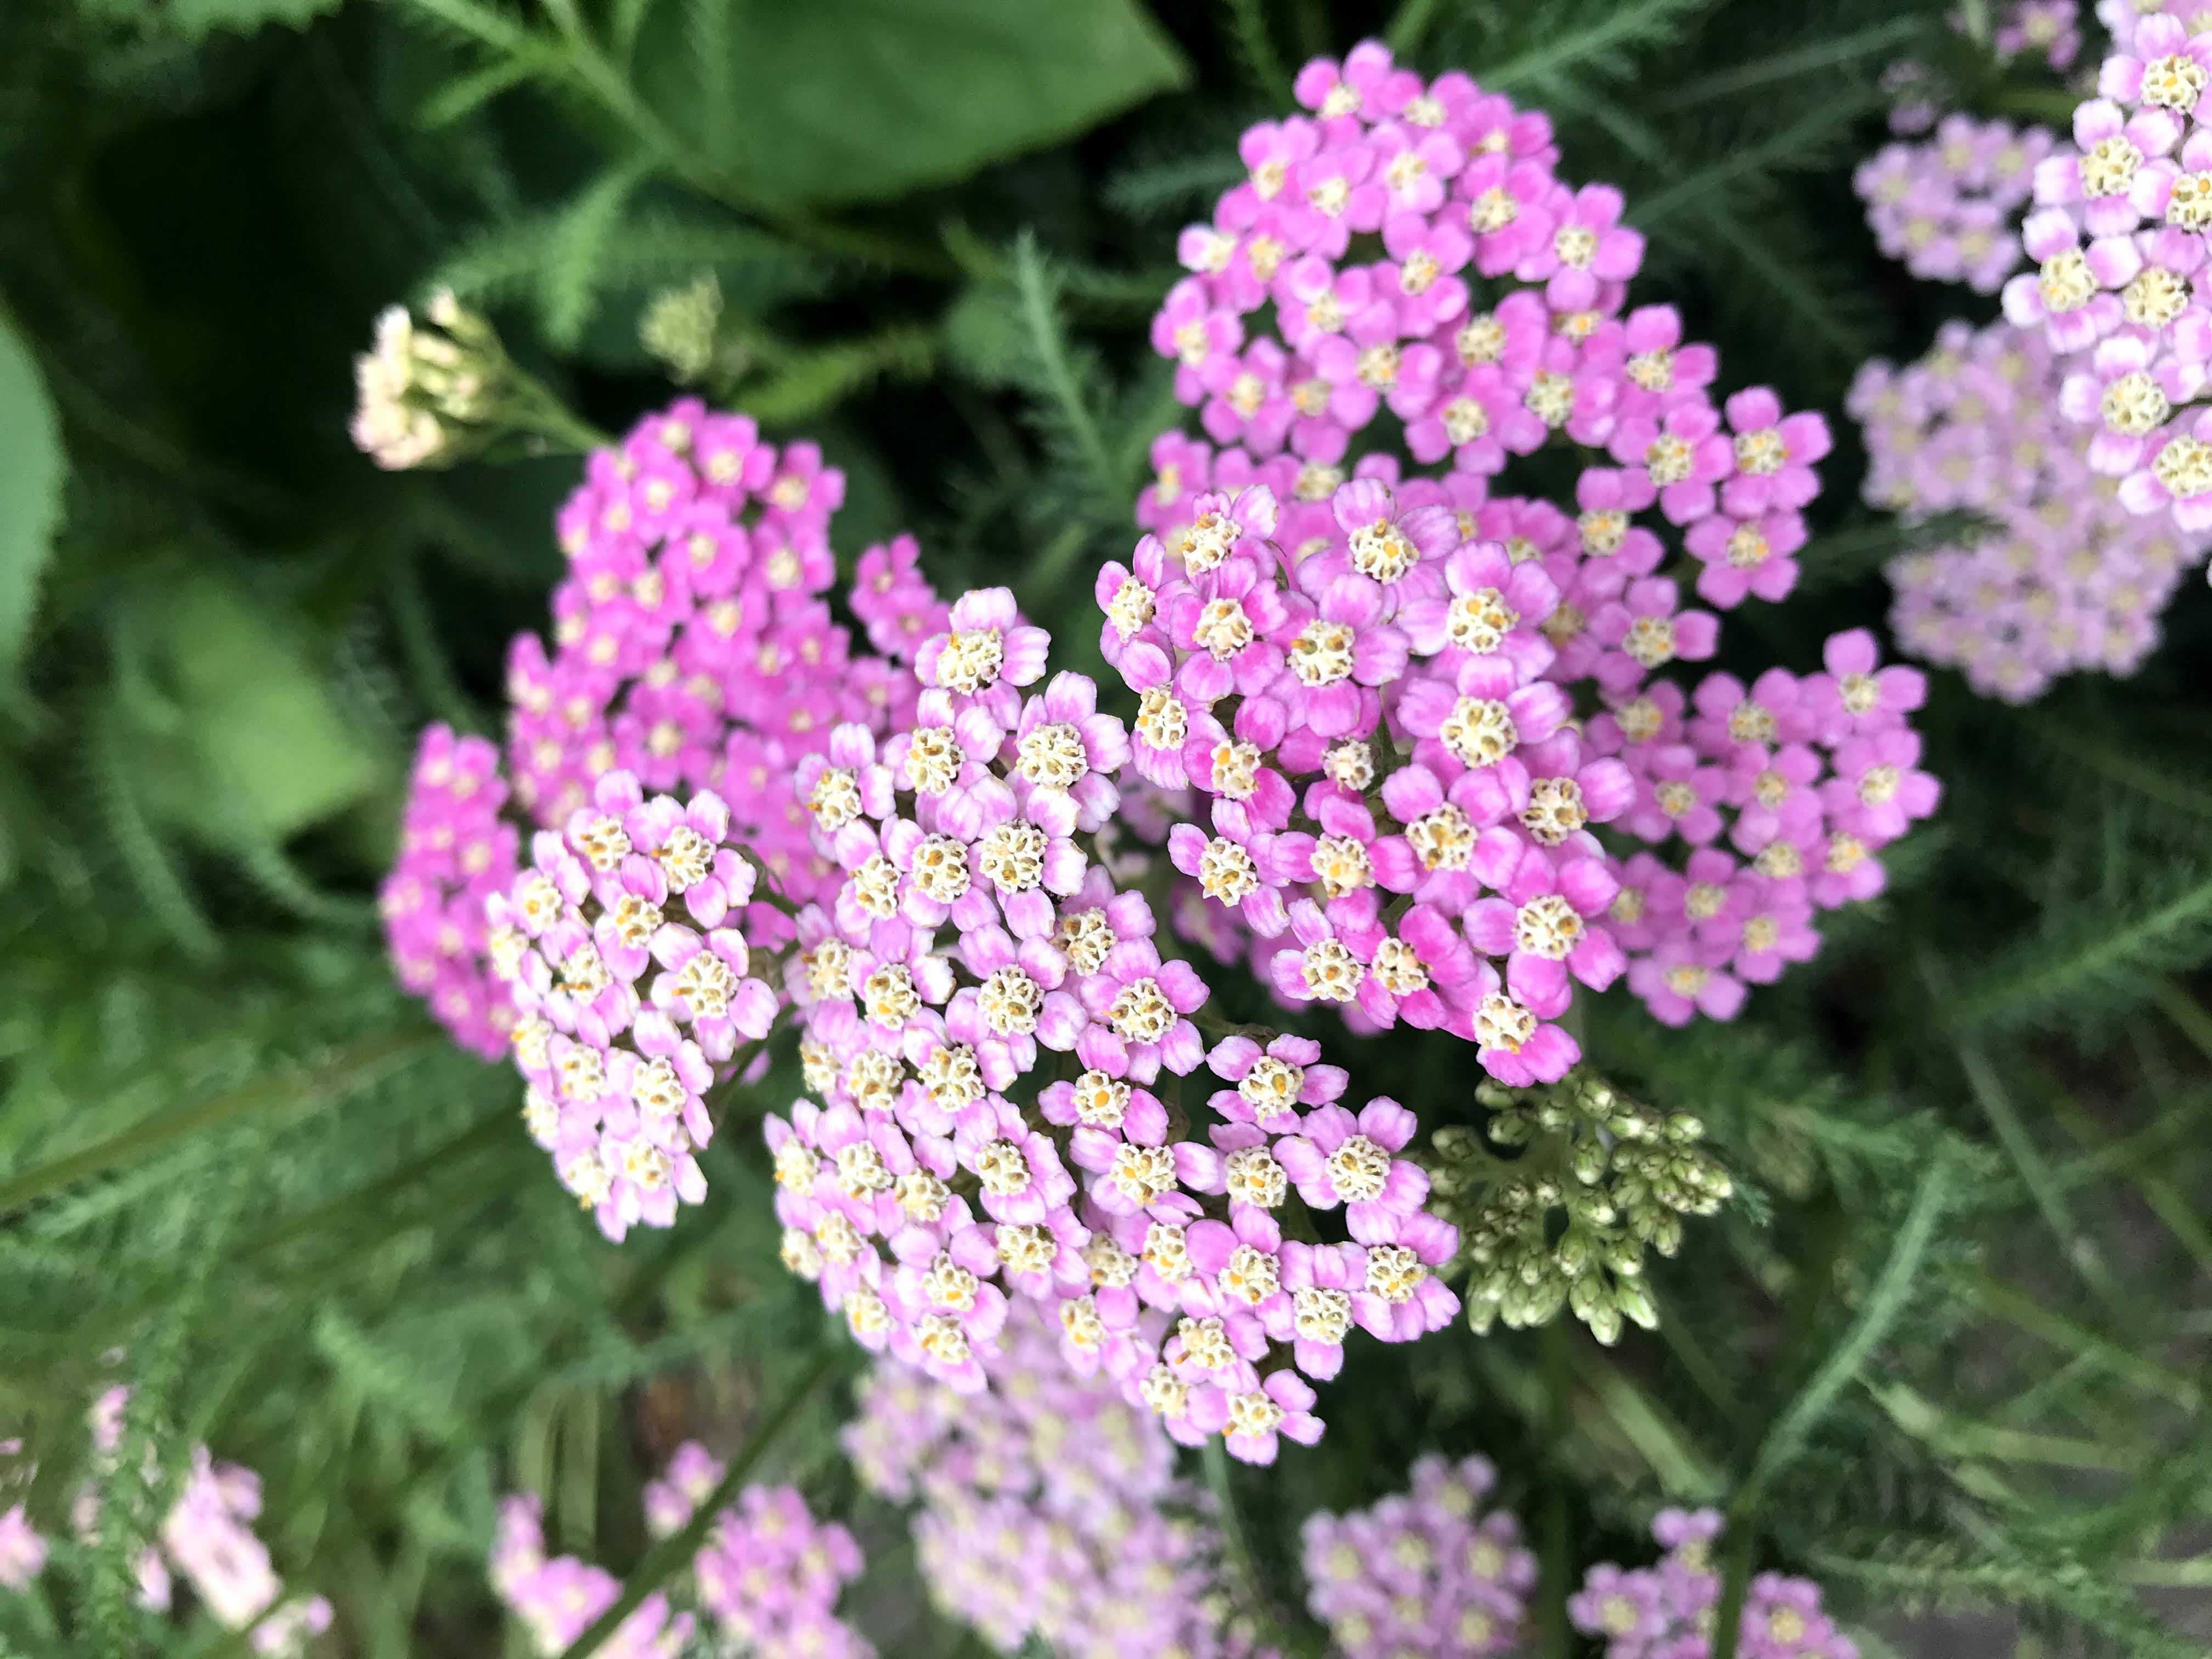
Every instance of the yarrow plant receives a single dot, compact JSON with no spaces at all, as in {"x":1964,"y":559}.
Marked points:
{"x":2051,"y":574}
{"x":1667,"y":1610}
{"x":1049,"y":1509}
{"x":623,"y":1011}
{"x":1425,"y":1574}
{"x":1381,"y":718}
{"x":1407,"y":701}
{"x":767,"y":1580}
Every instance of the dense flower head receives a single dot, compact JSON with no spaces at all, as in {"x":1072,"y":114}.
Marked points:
{"x":694,"y":646}
{"x":2120,"y":239}
{"x":1666,"y":1611}
{"x":694,"y":643}
{"x":987,"y":1020}
{"x":206,"y":1538}
{"x":631,"y":987}
{"x":1425,"y":1574}
{"x":455,"y":851}
{"x":1407,"y":702}
{"x":2046,"y":29}
{"x":558,"y":1598}
{"x":768,"y":1577}
{"x":1947,"y":205}
{"x":2054,"y":574}
{"x":1048,"y":1507}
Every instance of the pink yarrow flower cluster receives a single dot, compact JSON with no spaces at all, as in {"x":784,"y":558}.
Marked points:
{"x":1406,"y":702}
{"x":455,"y":851}
{"x":694,"y":646}
{"x":766,"y":1579}
{"x":2120,"y":17}
{"x":976,"y":956}
{"x":1666,"y":1611}
{"x":2120,"y":235}
{"x":693,"y":642}
{"x":2046,"y":29}
{"x":1048,"y":1508}
{"x":1425,"y":1574}
{"x":558,"y":1598}
{"x":633,"y":989}
{"x":207,"y":1538}
{"x":1947,"y":206}
{"x":2055,"y":576}
{"x":22,"y":1551}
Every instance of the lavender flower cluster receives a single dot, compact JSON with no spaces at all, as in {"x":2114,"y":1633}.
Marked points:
{"x":1425,"y":1574}
{"x":1666,"y":1611}
{"x":1048,"y":1508}
{"x":206,"y":1539}
{"x":1307,"y":646}
{"x":768,"y":1577}
{"x":1946,"y":207}
{"x":2048,"y":30}
{"x":2055,"y":575}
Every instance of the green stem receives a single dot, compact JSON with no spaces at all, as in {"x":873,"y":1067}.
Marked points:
{"x":673,"y":1554}
{"x":1246,"y":1564}
{"x":1735,"y":1584}
{"x":1554,"y":1560}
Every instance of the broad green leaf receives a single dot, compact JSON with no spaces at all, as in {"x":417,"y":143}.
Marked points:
{"x":31,"y":471}
{"x":840,"y":101}
{"x":260,"y":749}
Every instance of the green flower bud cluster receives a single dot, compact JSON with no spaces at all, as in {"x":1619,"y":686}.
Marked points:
{"x":1623,"y":1175}
{"x":679,"y":327}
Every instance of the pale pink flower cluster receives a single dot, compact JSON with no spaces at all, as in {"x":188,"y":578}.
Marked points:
{"x":206,"y":1539}
{"x":558,"y":1598}
{"x":2054,"y":576}
{"x":973,"y":937}
{"x":624,"y":1013}
{"x":22,"y":1551}
{"x":2120,"y":238}
{"x":768,"y":1577}
{"x":694,"y":646}
{"x":2120,"y":17}
{"x":1946,"y":206}
{"x":1666,"y":1611}
{"x":1407,"y":701}
{"x":1048,"y":1508}
{"x":1425,"y":1574}
{"x":959,"y":925}
{"x":455,"y":851}
{"x":2046,"y":29}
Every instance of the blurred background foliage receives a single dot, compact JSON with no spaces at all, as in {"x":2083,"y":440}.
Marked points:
{"x":1946,"y":1349}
